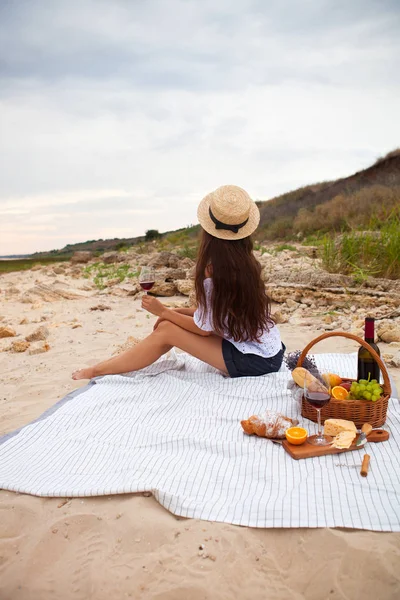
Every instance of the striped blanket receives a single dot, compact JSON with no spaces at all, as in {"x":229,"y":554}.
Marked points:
{"x":174,"y":429}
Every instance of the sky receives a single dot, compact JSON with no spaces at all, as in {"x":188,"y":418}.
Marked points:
{"x":118,"y":116}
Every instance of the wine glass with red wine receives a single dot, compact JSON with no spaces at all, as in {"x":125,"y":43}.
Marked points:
{"x":318,"y":395}
{"x":147,"y":278}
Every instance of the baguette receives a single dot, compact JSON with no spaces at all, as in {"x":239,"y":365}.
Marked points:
{"x":301,"y":375}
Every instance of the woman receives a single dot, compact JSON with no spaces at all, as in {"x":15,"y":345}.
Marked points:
{"x":231,"y":329}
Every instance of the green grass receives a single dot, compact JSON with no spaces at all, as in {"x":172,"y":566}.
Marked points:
{"x":23,"y":264}
{"x":102,"y":273}
{"x":282,"y":247}
{"x":188,"y":251}
{"x":313,"y":240}
{"x":365,"y":254}
{"x":262,"y":249}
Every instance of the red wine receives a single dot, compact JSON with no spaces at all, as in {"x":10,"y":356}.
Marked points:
{"x":147,"y":285}
{"x":367,"y":367}
{"x":317,"y":399}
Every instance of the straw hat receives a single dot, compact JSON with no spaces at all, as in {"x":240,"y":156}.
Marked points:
{"x":228,"y":213}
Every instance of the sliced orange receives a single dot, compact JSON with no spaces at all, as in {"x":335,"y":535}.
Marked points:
{"x":296,"y":435}
{"x":340,"y":393}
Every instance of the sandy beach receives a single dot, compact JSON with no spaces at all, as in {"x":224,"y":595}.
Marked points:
{"x":128,"y":546}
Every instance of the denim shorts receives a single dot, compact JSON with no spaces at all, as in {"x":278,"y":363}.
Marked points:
{"x":249,"y":365}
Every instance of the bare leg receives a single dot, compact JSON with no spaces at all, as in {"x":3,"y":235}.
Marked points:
{"x":166,"y":336}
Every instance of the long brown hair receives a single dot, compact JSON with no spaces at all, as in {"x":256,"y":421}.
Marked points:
{"x":239,"y":303}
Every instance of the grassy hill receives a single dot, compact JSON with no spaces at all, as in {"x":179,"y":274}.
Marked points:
{"x":364,"y":199}
{"x":368,"y":201}
{"x":371,"y":194}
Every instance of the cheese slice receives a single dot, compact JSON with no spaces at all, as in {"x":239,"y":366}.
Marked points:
{"x":334,"y":426}
{"x":344,"y":439}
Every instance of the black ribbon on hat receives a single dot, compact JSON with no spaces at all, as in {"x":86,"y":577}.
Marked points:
{"x":221,"y":225}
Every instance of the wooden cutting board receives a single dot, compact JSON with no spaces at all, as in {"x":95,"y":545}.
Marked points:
{"x":306,"y":450}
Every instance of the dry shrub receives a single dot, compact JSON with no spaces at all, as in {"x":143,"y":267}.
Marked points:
{"x":344,"y":212}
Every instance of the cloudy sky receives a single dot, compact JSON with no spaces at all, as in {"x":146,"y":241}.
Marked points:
{"x":118,"y":116}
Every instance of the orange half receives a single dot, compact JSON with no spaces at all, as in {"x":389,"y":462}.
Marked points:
{"x":340,"y":393}
{"x":296,"y":435}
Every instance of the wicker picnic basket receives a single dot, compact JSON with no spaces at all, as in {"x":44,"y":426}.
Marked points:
{"x":359,"y":411}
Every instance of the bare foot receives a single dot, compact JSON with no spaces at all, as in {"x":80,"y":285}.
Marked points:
{"x":83,"y":373}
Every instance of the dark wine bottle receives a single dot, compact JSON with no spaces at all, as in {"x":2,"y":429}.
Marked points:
{"x":367,"y":367}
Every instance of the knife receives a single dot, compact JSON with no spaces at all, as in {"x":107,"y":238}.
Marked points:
{"x":365,"y":431}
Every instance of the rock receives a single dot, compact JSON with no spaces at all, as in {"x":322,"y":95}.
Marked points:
{"x":358,"y":323}
{"x":26,"y":299}
{"x":131,"y":289}
{"x":12,"y":291}
{"x":331,"y":326}
{"x":36,"y":267}
{"x":6,"y":332}
{"x":112,"y":257}
{"x":394,"y":345}
{"x":48,"y":293}
{"x":295,"y":320}
{"x":170,"y":274}
{"x":163,"y":259}
{"x":186,"y":263}
{"x":185,"y":286}
{"x":143,"y":260}
{"x":311,"y":251}
{"x":39,"y":349}
{"x":291,"y":303}
{"x":328,"y":319}
{"x":265,"y":275}
{"x":395,"y":360}
{"x":389,"y":332}
{"x":24,"y":321}
{"x":117,"y":291}
{"x":88,"y":287}
{"x":82,"y":256}
{"x":47,"y":315}
{"x":192,"y":272}
{"x":280,"y":317}
{"x":174,"y":261}
{"x":19,"y":346}
{"x":59,"y":270}
{"x":112,"y":282}
{"x":163,"y":288}
{"x":41,"y":333}
{"x":100,"y":307}
{"x":306,"y":300}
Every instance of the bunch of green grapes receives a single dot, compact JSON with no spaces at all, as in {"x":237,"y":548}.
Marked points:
{"x":366,"y":390}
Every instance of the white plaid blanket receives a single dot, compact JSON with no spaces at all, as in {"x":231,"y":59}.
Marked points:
{"x":174,"y":429}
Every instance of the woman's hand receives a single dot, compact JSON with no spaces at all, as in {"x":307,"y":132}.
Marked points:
{"x":153,"y":305}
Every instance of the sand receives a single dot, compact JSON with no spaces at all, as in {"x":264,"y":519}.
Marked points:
{"x":129,"y":546}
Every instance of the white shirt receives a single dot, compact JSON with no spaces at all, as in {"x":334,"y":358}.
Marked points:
{"x":270,"y":341}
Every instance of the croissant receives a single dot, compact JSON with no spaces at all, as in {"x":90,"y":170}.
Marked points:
{"x":270,"y":424}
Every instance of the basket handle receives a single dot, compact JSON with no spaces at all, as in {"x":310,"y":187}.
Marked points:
{"x":387,"y":389}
